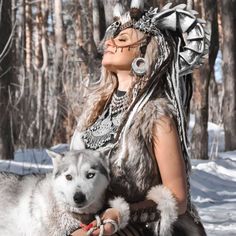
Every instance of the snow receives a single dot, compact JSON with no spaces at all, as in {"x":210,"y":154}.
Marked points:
{"x":213,"y":182}
{"x":214,"y":192}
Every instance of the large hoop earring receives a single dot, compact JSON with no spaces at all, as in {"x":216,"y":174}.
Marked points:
{"x":139,"y":66}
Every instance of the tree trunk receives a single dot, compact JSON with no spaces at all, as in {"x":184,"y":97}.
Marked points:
{"x":39,"y":75}
{"x":57,"y":132}
{"x":229,"y":71}
{"x":6,"y":139}
{"x":199,"y":140}
{"x":19,"y":34}
{"x":92,"y":49}
{"x":28,"y":35}
{"x":96,"y":22}
{"x":214,"y":102}
{"x":108,"y":10}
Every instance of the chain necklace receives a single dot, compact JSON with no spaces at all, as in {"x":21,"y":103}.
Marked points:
{"x":105,"y":127}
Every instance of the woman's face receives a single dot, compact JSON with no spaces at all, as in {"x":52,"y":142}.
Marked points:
{"x":116,"y":55}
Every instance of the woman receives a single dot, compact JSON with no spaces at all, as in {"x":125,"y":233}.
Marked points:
{"x":137,"y":117}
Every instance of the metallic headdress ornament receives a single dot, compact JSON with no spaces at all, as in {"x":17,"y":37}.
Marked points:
{"x":179,"y":18}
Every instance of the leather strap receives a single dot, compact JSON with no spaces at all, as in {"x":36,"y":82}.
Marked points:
{"x":144,"y":212}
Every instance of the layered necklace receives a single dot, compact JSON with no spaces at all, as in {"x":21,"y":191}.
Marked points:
{"x":104,"y":130}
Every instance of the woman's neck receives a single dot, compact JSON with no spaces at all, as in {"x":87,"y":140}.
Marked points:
{"x":124,"y":80}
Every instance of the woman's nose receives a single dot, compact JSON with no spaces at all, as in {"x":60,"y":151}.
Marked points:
{"x":109,"y":42}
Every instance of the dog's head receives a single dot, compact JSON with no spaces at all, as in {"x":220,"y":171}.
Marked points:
{"x":80,"y":179}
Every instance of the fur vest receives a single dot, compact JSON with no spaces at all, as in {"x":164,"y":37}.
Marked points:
{"x":139,"y":178}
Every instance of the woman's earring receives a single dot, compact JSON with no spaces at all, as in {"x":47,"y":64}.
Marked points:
{"x":139,"y":66}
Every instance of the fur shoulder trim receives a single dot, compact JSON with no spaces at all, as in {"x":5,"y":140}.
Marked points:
{"x":152,"y":112}
{"x":120,"y":204}
{"x":167,"y":205}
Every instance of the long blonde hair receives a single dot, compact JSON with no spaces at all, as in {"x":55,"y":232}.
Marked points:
{"x":97,"y":95}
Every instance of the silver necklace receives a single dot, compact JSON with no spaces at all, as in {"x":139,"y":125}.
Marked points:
{"x":105,"y":127}
{"x":118,"y":104}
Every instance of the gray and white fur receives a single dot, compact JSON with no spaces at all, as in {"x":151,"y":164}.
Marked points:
{"x":54,"y":204}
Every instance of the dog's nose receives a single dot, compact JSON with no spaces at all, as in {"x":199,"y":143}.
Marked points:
{"x":79,"y":197}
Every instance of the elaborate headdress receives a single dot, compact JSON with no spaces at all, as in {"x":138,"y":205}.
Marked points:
{"x":191,"y":43}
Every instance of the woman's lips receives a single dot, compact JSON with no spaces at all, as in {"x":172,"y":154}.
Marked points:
{"x":108,"y":52}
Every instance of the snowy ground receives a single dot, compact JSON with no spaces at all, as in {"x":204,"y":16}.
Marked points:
{"x":214,"y":185}
{"x":213,"y":181}
{"x":214,"y":193}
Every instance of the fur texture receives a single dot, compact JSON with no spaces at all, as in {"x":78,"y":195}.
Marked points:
{"x":54,"y":204}
{"x":167,"y":206}
{"x":123,"y":207}
{"x":137,"y":4}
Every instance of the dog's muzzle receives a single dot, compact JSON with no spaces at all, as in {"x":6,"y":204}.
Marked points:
{"x":79,"y":198}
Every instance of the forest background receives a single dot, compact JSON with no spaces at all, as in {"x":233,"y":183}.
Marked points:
{"x":48,"y":55}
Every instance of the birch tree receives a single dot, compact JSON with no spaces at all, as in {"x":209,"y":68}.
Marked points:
{"x":28,"y":35}
{"x":60,"y":53}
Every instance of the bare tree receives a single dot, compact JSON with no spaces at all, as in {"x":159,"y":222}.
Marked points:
{"x":41,"y":65}
{"x":62,"y":49}
{"x":6,"y":77}
{"x":108,"y":9}
{"x":60,"y":54}
{"x":28,"y":35}
{"x":96,"y":22}
{"x":229,"y":71}
{"x":199,"y":141}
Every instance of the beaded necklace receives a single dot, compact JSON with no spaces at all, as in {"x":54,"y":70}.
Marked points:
{"x":105,"y":127}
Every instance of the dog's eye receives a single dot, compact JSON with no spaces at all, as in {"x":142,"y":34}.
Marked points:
{"x":90,"y":175}
{"x":68,"y":177}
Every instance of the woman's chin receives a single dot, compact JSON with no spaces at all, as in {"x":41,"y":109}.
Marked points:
{"x":110,"y":67}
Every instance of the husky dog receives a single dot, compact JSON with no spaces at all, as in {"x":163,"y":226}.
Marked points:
{"x":54,"y":204}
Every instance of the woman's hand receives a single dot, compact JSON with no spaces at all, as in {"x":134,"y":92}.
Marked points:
{"x":109,"y":229}
{"x":109,"y":214}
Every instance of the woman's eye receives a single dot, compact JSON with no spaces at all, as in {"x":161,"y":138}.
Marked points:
{"x":69,"y":177}
{"x":90,"y":175}
{"x":122,"y":40}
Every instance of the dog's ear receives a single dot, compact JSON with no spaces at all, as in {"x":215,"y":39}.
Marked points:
{"x":104,"y":157}
{"x":55,"y":156}
{"x":106,"y":154}
{"x":103,"y":154}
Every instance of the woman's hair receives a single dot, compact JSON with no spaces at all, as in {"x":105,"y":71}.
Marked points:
{"x":97,"y":96}
{"x":100,"y":94}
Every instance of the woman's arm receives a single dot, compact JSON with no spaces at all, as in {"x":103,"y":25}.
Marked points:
{"x":169,"y":159}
